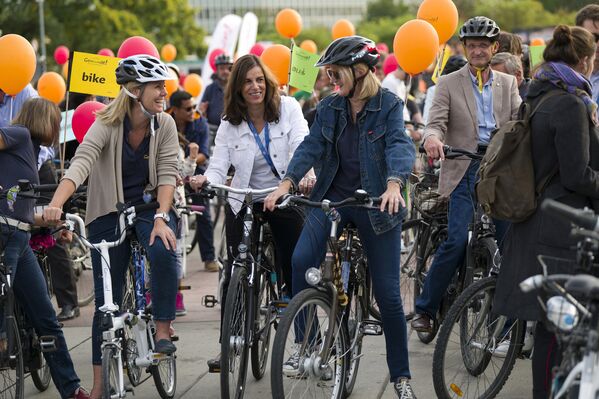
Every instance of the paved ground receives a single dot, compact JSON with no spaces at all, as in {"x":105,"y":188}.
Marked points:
{"x":199,"y":330}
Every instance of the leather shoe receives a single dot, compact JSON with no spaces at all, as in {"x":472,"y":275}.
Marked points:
{"x":422,"y":323}
{"x":68,"y":312}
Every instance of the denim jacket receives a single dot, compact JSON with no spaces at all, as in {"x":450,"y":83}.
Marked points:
{"x":385,"y":152}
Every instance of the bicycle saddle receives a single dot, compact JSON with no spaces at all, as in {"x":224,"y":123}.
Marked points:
{"x":583,"y":285}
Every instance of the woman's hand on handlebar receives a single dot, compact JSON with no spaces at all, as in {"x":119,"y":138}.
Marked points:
{"x":391,"y":198}
{"x":52,"y":214}
{"x":434,"y":148}
{"x":198,"y":181}
{"x":270,"y":202}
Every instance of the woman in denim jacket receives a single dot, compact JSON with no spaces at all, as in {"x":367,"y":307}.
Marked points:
{"x":358,"y":141}
{"x":258,"y":135}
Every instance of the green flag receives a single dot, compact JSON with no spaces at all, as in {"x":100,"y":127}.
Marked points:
{"x":536,"y":55}
{"x":303,"y":71}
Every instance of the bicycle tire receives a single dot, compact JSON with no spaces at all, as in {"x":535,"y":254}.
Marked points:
{"x":479,"y":290}
{"x":306,"y":297}
{"x":373,"y":307}
{"x":235,"y":328}
{"x":41,"y":377}
{"x":262,"y":331}
{"x":165,"y":377}
{"x":109,"y":372}
{"x":408,"y":265}
{"x":428,"y":251}
{"x":16,"y":364}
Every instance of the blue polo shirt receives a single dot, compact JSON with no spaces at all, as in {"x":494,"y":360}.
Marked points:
{"x":135,"y":166}
{"x":484,"y":109}
{"x":197,"y":132}
{"x":215,"y":96}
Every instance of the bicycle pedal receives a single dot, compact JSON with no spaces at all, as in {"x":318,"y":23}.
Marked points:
{"x":371,"y":327}
{"x":184,"y":287}
{"x":209,"y":301}
{"x":214,"y":369}
{"x":174,"y":338}
{"x":47,"y":343}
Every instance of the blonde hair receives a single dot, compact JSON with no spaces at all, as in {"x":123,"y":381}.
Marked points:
{"x":114,"y":113}
{"x":366,"y":88}
{"x":42,"y":118}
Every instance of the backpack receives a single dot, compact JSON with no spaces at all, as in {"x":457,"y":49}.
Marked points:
{"x":506,"y":187}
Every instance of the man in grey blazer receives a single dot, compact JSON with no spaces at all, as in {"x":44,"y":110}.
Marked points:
{"x":468,"y":105}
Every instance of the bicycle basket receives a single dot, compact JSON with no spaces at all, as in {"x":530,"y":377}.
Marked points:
{"x":428,"y":201}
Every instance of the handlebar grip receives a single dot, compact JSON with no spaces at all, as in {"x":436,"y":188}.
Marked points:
{"x":147,"y":207}
{"x":197,"y":208}
{"x":583,"y":218}
{"x":44,"y":188}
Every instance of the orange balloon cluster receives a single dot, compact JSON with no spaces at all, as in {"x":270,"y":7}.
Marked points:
{"x":310,"y":46}
{"x":342,"y":28}
{"x":537,"y":41}
{"x":442,"y":15}
{"x":17,"y":63}
{"x":414,"y":56}
{"x":51,"y":86}
{"x":171,"y":85}
{"x":278,"y":58}
{"x":288,"y":23}
{"x":168,"y":52}
{"x":193,"y":84}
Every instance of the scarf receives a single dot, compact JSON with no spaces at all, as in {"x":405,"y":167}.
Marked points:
{"x":564,"y":77}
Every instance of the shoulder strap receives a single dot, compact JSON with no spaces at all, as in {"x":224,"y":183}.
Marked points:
{"x":542,"y":101}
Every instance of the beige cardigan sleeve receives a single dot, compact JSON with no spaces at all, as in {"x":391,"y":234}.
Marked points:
{"x":88,"y":152}
{"x":168,"y":149}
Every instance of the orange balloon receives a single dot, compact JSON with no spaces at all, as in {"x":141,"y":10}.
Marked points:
{"x":414,"y":56}
{"x":442,"y":14}
{"x":310,"y":46}
{"x":168,"y":52}
{"x":52,"y":87}
{"x":171,"y":85}
{"x":537,"y":41}
{"x":278,"y":58}
{"x":65,"y":70}
{"x":343,"y":28}
{"x":193,"y":84}
{"x":288,"y":23}
{"x":17,"y":63}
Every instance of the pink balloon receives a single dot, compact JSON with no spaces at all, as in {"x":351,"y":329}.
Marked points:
{"x":257,"y":49}
{"x":61,"y":55}
{"x":83,"y":117}
{"x":107,"y":52}
{"x":382,"y":48}
{"x":137,"y":45}
{"x":212,"y":57}
{"x":390,"y":64}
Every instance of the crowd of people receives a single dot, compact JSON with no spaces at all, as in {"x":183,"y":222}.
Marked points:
{"x":357,"y":130}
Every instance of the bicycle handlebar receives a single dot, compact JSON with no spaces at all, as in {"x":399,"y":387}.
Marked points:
{"x":452,"y":153}
{"x":244,"y":191}
{"x":361,"y":198}
{"x":584,"y":218}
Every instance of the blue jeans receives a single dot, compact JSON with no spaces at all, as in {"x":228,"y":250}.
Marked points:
{"x":163,"y":269}
{"x":31,"y":292}
{"x":451,"y":253}
{"x":382,"y":252}
{"x":204,"y":230}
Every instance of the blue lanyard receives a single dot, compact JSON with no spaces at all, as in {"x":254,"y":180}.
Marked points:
{"x":264,"y":149}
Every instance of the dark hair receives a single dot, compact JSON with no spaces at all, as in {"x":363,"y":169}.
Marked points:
{"x":590,"y":11}
{"x":570,"y":44}
{"x":235,"y":110}
{"x":178,"y":97}
{"x":510,"y":43}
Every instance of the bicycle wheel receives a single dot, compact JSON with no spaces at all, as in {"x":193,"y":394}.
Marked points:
{"x":468,"y":361}
{"x":264,"y":316}
{"x":409,"y":261}
{"x":300,"y":336}
{"x":12,"y":374}
{"x":427,"y":253}
{"x":356,"y":312}
{"x":165,"y":377}
{"x":82,"y":268}
{"x":41,"y":376}
{"x":235,"y":336}
{"x":110,"y":372}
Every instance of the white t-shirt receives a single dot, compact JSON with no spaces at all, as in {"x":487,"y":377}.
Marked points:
{"x":397,"y":87}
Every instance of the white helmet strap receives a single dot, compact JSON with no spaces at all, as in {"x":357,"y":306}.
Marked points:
{"x":143,"y":109}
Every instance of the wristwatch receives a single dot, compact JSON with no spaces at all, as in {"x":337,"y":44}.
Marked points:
{"x":162,"y":215}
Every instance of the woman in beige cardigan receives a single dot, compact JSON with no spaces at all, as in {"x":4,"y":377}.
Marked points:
{"x":130,"y":156}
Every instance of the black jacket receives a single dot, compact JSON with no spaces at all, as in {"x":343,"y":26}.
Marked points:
{"x":565,"y":143}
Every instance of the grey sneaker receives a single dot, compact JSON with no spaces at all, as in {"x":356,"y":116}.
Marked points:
{"x":403,"y":389}
{"x":291,"y":366}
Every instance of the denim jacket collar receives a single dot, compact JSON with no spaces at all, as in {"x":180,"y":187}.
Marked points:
{"x":374,"y":103}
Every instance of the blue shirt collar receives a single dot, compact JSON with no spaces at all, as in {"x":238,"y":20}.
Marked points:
{"x":474,"y":81}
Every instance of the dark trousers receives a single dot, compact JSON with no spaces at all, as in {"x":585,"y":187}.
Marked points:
{"x":383,"y":255}
{"x":31,"y":292}
{"x":450,"y":255}
{"x":286,"y":227}
{"x":163,"y":270}
{"x":546,"y":355}
{"x":204,"y":233}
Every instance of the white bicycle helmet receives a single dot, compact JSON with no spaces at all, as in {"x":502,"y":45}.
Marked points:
{"x":141,"y":68}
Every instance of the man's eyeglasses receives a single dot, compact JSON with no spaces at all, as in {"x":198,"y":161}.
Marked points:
{"x":333,"y":75}
{"x":189,"y":109}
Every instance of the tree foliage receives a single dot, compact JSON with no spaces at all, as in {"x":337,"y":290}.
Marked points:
{"x":88,"y":26}
{"x":513,"y":15}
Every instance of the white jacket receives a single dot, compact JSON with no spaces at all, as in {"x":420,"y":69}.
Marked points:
{"x":235,"y":145}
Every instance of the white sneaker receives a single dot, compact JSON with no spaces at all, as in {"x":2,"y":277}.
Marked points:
{"x":291,"y":366}
{"x":501,"y":349}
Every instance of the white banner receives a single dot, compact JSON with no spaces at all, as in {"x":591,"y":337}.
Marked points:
{"x":247,"y":34}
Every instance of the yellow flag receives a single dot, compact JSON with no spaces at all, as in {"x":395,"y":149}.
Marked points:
{"x":93,"y":74}
{"x":441,"y":61}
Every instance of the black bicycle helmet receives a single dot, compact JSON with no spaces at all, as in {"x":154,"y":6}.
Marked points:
{"x":223,"y":59}
{"x":454,"y":63}
{"x":350,"y":50}
{"x":141,"y":68}
{"x":479,"y":27}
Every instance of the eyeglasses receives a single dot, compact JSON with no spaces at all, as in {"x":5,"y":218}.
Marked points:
{"x":189,"y":109}
{"x":333,"y":75}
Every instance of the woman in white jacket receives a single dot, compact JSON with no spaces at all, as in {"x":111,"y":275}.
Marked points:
{"x":258,"y":136}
